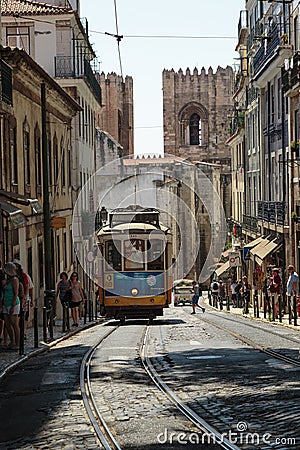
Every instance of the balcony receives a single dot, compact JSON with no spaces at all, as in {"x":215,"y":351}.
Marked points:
{"x":237,"y":122}
{"x":290,"y":75}
{"x":271,"y":212}
{"x":6,"y":82}
{"x":71,"y":67}
{"x":250,"y":223}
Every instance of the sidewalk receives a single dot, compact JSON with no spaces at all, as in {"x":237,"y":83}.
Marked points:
{"x":239,"y":312}
{"x":9,"y":359}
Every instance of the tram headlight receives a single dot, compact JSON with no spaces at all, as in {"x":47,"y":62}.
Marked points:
{"x":134,"y":291}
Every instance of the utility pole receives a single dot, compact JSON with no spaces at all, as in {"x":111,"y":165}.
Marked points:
{"x":46,"y":203}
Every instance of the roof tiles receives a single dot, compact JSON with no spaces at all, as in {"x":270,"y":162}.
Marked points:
{"x":29,"y":8}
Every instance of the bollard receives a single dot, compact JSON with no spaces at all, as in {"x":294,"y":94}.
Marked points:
{"x":280,"y":308}
{"x":64,"y":318}
{"x":256,"y":308}
{"x":21,"y":325}
{"x":295,"y":309}
{"x":50,"y":322}
{"x":68,"y":317}
{"x":221,"y":303}
{"x":290,"y":310}
{"x":265,"y":305}
{"x":45,"y":323}
{"x":35,"y":327}
{"x":90,"y":311}
{"x":209,"y":298}
{"x":273,"y":308}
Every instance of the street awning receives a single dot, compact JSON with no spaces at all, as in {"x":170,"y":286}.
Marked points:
{"x":222,"y":269}
{"x":255,"y":250}
{"x":263,"y":252}
{"x":255,"y":242}
{"x":15,"y":214}
{"x":21,"y":199}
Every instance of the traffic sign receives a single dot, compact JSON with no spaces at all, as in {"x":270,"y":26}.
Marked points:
{"x":246,"y":253}
{"x":234,"y":259}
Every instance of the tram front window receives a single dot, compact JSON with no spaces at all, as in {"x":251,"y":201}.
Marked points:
{"x":155,"y":255}
{"x":134,"y":254}
{"x":113,"y":254}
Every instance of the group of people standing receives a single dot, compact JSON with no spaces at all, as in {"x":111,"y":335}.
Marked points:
{"x":70,"y":293}
{"x":16,"y":289}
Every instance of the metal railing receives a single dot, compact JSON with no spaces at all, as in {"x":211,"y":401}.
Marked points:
{"x":6,"y":82}
{"x":73,"y":67}
{"x":271,"y":212}
{"x":250,"y":223}
{"x":267,"y":48}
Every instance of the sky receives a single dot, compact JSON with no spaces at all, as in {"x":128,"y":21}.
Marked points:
{"x":144,"y":59}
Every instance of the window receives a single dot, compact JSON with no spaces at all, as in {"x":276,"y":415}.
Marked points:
{"x":155,"y":255}
{"x":296,"y":34}
{"x":134,"y":254}
{"x":41,"y":263}
{"x":14,"y":157}
{"x":113,"y":254}
{"x":57,"y":254}
{"x":63,"y":163}
{"x":195,"y":130}
{"x":55,"y":162}
{"x":18,"y":37}
{"x":38,"y":157}
{"x":65,"y":250}
{"x":26,"y":150}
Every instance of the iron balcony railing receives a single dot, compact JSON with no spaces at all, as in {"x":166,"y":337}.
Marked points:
{"x":267,"y":48}
{"x":72,"y":67}
{"x":251,"y":95}
{"x":250,"y":223}
{"x":271,"y":212}
{"x":6,"y":82}
{"x":290,"y":75}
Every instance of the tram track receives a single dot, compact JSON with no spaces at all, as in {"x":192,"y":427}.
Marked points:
{"x":253,"y":344}
{"x":97,"y":421}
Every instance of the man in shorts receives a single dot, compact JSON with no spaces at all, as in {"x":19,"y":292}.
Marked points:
{"x":195,"y":298}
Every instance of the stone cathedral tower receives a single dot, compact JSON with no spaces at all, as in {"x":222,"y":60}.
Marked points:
{"x":116,"y":114}
{"x":196,"y":111}
{"x":197,"y":108}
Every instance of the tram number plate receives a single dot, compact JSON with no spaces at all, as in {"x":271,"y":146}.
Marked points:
{"x":108,"y":281}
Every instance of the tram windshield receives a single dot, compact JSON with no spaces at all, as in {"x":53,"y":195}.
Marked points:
{"x":135,"y":254}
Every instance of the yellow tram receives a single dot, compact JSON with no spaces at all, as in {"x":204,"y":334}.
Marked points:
{"x":134,"y":280}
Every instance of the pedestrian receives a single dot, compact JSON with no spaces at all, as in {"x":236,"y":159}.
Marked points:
{"x":61,"y":287}
{"x":27,"y":304}
{"x":3,"y":331}
{"x":221,"y":293}
{"x":233,"y":286}
{"x":246,"y":292}
{"x":238,"y":290}
{"x":292,"y":285}
{"x":195,"y":298}
{"x":275,"y":289}
{"x":214,"y":288}
{"x":11,"y":304}
{"x":77,"y":297}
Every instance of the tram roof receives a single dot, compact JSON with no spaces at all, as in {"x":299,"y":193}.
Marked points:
{"x":133,"y":226}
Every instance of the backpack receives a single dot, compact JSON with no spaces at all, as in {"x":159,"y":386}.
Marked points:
{"x":215,"y":286}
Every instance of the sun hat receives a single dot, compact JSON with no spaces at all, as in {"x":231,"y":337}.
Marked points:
{"x":275,"y":269}
{"x":10,"y":269}
{"x":17,"y":262}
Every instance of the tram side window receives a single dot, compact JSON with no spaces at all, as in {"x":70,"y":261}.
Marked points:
{"x":112,"y":254}
{"x":134,"y":258}
{"x":155,"y":255}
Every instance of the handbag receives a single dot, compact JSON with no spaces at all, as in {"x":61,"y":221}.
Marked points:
{"x":68,"y":296}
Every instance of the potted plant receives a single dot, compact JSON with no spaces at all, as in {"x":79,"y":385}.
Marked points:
{"x":294,"y":145}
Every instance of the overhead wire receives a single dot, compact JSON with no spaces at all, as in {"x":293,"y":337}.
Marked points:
{"x":118,"y":37}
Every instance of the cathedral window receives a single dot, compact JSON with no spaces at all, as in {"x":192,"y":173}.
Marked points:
{"x":195,"y":130}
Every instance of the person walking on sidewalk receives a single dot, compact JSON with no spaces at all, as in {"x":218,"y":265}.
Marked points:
{"x":77,"y":297}
{"x":11,"y":304}
{"x":246,"y":291}
{"x":195,"y":298}
{"x":275,"y":289}
{"x":292,"y":285}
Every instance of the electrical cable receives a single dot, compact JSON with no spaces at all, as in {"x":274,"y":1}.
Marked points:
{"x":118,"y":37}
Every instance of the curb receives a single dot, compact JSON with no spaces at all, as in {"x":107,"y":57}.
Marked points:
{"x":46,"y":347}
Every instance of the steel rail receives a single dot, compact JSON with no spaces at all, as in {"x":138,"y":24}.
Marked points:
{"x":252,"y":344}
{"x":232,"y":318}
{"x":191,"y":415}
{"x":104,"y":435}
